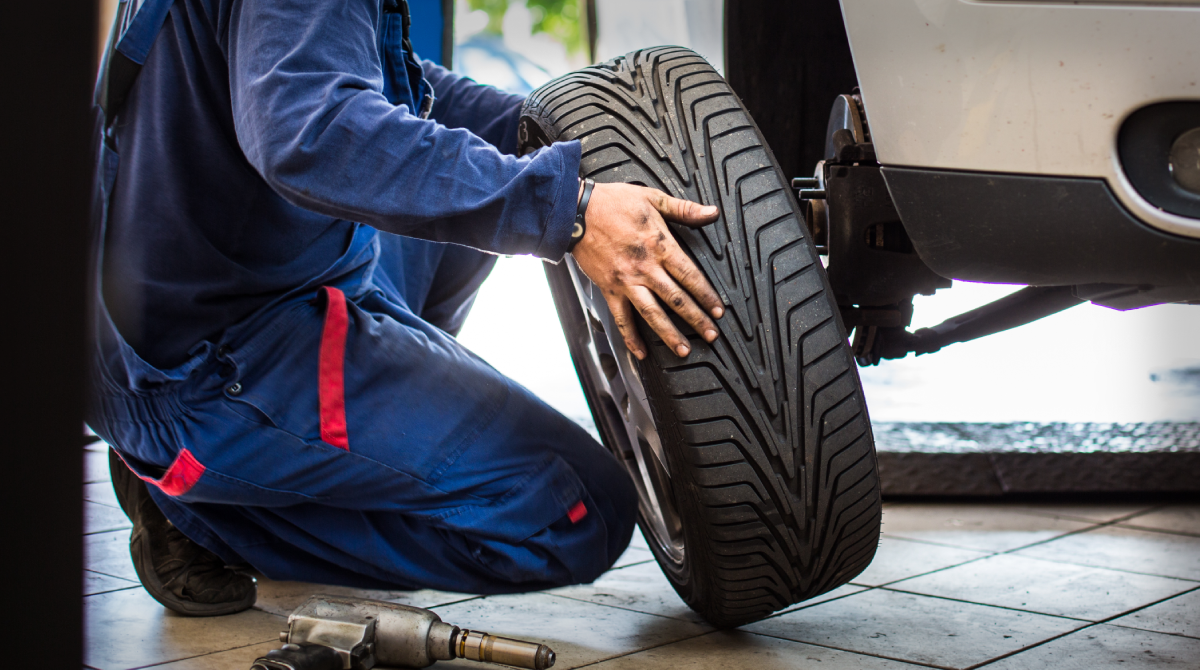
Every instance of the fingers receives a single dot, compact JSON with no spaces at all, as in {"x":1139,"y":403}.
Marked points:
{"x":644,"y":302}
{"x":693,"y":280}
{"x":622,"y":313}
{"x":684,"y":305}
{"x":683,"y":211}
{"x":629,"y":253}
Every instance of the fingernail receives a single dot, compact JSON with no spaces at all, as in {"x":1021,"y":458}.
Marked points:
{"x":709,"y":210}
{"x":641,"y":355}
{"x":682,"y":351}
{"x":710,"y":335}
{"x":718,"y":312}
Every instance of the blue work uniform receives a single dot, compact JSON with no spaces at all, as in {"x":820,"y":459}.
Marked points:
{"x":284,"y":373}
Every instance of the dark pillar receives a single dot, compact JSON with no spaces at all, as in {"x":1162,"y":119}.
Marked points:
{"x":788,"y":59}
{"x":48,"y":51}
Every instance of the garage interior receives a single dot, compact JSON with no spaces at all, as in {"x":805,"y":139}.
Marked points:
{"x":1016,"y":535}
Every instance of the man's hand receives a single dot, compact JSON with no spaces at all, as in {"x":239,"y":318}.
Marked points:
{"x":628,"y":252}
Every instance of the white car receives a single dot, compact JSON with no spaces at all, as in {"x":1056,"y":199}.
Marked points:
{"x":1051,"y":144}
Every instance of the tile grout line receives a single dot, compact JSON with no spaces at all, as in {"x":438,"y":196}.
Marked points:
{"x":638,"y":651}
{"x":746,"y":632}
{"x":626,"y":609}
{"x":107,"y":530}
{"x":123,"y":588}
{"x":1092,"y":525}
{"x":931,"y":572}
{"x":1147,"y":529}
{"x":1032,"y":646}
{"x":1090,"y":625}
{"x":1096,"y":526}
{"x":124,"y":579}
{"x":1148,"y":605}
{"x":467,"y":599}
{"x":854,"y":652}
{"x":1067,"y":517}
{"x":1080,"y":531}
{"x":211,"y":653}
{"x":801,"y":606}
{"x":108,"y":575}
{"x":999,"y":607}
{"x":936,"y":544}
{"x":100,"y":593}
{"x":630,"y":565}
{"x":1103,"y":567}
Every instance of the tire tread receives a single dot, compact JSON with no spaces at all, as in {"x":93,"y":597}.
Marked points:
{"x":771,"y":440}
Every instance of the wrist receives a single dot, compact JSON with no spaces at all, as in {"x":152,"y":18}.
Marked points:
{"x":580,"y":227}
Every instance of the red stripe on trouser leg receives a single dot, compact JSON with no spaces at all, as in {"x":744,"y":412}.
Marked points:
{"x":331,"y":367}
{"x":183,"y":474}
{"x":577,"y":512}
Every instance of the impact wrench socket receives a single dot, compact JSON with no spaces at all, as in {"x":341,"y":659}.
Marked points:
{"x":332,"y":633}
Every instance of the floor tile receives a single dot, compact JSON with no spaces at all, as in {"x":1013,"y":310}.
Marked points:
{"x":125,"y":629}
{"x":1046,"y":587}
{"x":1179,"y":615}
{"x":641,"y":588}
{"x":638,"y":540}
{"x":99,"y":518}
{"x":101,"y":492}
{"x":1175,"y":518}
{"x":94,"y":582}
{"x":1107,"y":647}
{"x":721,"y":650}
{"x":578,"y":632}
{"x":95,"y":466}
{"x":986,"y":527}
{"x":899,"y":559}
{"x":1164,"y":554}
{"x":108,"y":553}
{"x":840,"y":592}
{"x":915,"y":628}
{"x":234,"y":659}
{"x":1097,"y":512}
{"x":632,"y":556}
{"x":283,"y":597}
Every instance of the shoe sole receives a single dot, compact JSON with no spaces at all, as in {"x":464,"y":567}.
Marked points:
{"x":140,"y":553}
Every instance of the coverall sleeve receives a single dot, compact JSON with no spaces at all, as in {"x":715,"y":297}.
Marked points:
{"x":309,"y":112}
{"x":484,"y":110}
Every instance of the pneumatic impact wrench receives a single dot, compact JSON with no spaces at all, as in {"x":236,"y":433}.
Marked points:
{"x":331,"y":633}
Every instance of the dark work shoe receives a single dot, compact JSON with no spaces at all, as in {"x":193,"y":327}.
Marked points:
{"x":180,"y":574}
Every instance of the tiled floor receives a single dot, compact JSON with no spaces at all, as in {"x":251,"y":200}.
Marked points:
{"x":953,"y":586}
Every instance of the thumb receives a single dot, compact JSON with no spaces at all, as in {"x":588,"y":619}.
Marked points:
{"x":683,"y":211}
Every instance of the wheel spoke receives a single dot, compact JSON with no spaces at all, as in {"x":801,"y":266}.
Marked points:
{"x":614,"y":372}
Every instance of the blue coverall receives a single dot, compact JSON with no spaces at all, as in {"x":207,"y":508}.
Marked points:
{"x":284,"y":373}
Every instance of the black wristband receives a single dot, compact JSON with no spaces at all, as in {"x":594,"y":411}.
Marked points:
{"x":580,"y":212}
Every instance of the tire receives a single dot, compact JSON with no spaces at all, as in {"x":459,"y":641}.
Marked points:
{"x":753,"y":457}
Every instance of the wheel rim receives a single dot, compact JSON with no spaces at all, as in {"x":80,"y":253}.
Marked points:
{"x":623,"y":410}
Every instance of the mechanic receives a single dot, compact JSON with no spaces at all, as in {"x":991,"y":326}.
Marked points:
{"x":292,"y":217}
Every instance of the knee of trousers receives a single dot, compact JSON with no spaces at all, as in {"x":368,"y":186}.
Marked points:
{"x":574,"y":549}
{"x":606,"y":531}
